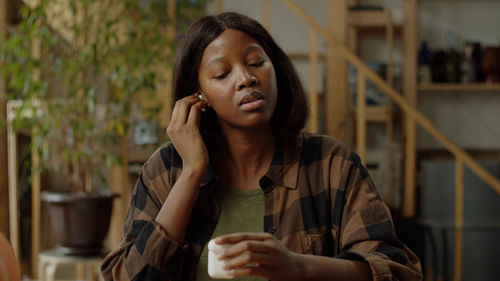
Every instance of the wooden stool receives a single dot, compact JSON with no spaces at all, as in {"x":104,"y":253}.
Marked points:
{"x":49,"y":260}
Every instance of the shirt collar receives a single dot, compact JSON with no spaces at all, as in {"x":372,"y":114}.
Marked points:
{"x":285,"y":164}
{"x":284,"y":168}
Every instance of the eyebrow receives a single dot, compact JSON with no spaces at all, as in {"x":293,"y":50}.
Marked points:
{"x":253,"y":46}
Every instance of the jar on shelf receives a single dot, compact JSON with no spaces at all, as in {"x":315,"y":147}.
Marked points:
{"x":491,"y":64}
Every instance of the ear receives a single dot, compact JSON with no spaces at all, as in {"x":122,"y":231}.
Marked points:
{"x":202,"y":96}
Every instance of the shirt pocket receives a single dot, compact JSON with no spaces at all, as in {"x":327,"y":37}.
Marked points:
{"x":320,"y":244}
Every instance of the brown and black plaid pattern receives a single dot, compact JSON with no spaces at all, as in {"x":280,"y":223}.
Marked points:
{"x":319,"y":200}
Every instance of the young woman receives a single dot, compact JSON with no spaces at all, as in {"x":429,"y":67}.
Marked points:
{"x":295,"y":206}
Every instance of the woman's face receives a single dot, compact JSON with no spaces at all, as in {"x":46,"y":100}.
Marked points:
{"x":238,"y":81}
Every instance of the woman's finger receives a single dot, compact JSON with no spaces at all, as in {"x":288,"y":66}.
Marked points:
{"x":246,"y":259}
{"x":247,"y":246}
{"x":250,"y":271}
{"x":175,"y":111}
{"x":238,"y":237}
{"x":183,"y":107}
{"x":194,"y":113}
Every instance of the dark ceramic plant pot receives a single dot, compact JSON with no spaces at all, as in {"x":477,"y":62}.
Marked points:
{"x":79,"y":221}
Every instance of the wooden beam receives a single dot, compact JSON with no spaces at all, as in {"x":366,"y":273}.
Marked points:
{"x":13,"y":182}
{"x":119,"y":184}
{"x":459,"y":219}
{"x":3,"y":15}
{"x":4,"y":202}
{"x":171,"y":16}
{"x":389,"y":31}
{"x":35,"y":211}
{"x":266,"y":11}
{"x":80,"y":271}
{"x":410,"y":95}
{"x":218,"y":6}
{"x":313,"y":80}
{"x":410,"y":31}
{"x":336,"y":81}
{"x":389,"y":194}
{"x":361,"y":117}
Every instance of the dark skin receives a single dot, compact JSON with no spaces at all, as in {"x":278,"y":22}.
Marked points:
{"x":228,"y":75}
{"x":237,"y":79}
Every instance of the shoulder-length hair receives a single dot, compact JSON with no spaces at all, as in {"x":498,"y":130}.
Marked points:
{"x":291,"y":108}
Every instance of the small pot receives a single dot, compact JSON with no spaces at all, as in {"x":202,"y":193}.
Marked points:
{"x":79,"y":221}
{"x":491,"y":64}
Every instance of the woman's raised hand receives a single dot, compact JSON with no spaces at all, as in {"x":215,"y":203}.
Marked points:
{"x":260,"y":254}
{"x":184,"y":132}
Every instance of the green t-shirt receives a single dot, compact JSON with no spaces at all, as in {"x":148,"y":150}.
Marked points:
{"x":241,"y":211}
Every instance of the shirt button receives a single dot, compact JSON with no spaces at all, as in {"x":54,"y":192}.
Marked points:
{"x":272,"y":230}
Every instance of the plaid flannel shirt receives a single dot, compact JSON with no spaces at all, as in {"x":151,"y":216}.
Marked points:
{"x":319,"y":200}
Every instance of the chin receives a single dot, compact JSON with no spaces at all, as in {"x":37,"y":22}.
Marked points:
{"x":258,"y":124}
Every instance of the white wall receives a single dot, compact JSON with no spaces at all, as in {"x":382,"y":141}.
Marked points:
{"x":470,"y":119}
{"x":468,"y":21}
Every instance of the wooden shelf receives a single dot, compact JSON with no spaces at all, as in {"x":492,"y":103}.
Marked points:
{"x":369,"y":18}
{"x":459,"y":87}
{"x":378,"y":31}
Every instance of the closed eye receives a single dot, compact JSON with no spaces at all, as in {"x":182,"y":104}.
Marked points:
{"x":221,"y":76}
{"x":257,"y":64}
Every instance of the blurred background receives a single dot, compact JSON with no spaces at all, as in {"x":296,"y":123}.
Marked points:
{"x":412,"y":85}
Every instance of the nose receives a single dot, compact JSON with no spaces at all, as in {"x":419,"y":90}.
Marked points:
{"x":246,"y":79}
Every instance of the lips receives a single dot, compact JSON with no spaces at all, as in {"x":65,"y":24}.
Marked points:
{"x":252,"y":101}
{"x":251,"y":97}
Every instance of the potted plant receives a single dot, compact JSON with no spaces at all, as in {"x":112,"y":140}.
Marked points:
{"x":78,"y":69}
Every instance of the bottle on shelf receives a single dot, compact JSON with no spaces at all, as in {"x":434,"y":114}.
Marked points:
{"x":424,"y":63}
{"x":477,"y":58}
{"x":467,"y":71}
{"x":452,"y":60}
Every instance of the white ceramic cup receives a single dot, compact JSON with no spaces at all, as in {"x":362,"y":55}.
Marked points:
{"x":215,"y":265}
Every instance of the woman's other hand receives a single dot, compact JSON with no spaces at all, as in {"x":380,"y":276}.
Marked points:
{"x":260,"y":254}
{"x":184,"y":132}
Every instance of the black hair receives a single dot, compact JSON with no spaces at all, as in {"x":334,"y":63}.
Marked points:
{"x":291,"y":107}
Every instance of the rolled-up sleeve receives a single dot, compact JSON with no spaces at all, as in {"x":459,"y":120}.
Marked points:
{"x":146,"y":252}
{"x":367,"y":231}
